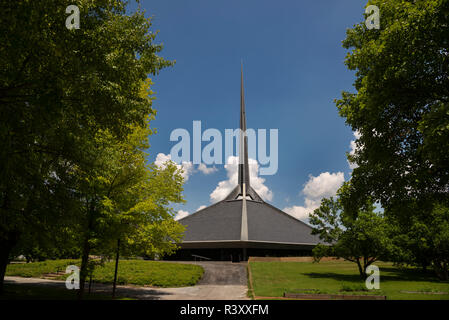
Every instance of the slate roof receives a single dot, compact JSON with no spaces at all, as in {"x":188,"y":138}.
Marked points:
{"x":222,"y":222}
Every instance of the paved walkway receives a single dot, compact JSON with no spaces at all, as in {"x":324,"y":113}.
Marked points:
{"x":221,"y":281}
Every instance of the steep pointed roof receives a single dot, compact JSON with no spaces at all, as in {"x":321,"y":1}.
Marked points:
{"x":243,"y":217}
{"x":221,"y":222}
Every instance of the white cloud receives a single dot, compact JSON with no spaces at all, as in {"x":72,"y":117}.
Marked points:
{"x":187,"y":167}
{"x":200,"y":208}
{"x":226,"y":186}
{"x":204,"y":169}
{"x":299,"y":212}
{"x":353,"y":148}
{"x":181,"y":214}
{"x":323,"y":186}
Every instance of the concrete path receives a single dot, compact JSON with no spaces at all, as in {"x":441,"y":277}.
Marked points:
{"x":221,"y":281}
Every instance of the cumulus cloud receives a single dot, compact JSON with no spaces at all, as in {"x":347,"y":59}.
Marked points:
{"x":353,"y":148}
{"x":204,"y":169}
{"x":299,"y":212}
{"x":226,"y":186}
{"x":187,"y":167}
{"x":181,"y":214}
{"x":316,"y":188}
{"x":200,"y":208}
{"x":323,"y":186}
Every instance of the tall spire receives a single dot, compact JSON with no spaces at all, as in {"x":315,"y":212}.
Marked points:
{"x":243,"y":154}
{"x":243,"y":189}
{"x":243,"y":164}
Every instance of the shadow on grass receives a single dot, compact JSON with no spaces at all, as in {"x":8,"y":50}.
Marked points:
{"x":394,"y":274}
{"x":336,"y":276}
{"x":56,"y":291}
{"x":410,"y":274}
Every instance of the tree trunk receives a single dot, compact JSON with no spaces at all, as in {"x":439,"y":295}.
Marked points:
{"x":116,"y":268}
{"x":84,"y":265}
{"x":84,"y":272}
{"x":441,"y":270}
{"x":424,"y":267}
{"x":6,"y":247}
{"x":361,"y":271}
{"x":445,"y":271}
{"x":365,"y":265}
{"x":4,"y":259}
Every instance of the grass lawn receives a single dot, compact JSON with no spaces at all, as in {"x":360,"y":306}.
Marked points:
{"x":272,"y":279}
{"x":137,"y":272}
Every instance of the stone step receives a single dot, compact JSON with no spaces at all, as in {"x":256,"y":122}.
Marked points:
{"x":53,"y":275}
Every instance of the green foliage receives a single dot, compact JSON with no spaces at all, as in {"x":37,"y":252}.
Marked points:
{"x":327,"y":220}
{"x":126,"y":198}
{"x":401,"y":110}
{"x":74,"y":112}
{"x":123,"y":198}
{"x":362,"y":239}
{"x":401,"y":105}
{"x":423,"y":239}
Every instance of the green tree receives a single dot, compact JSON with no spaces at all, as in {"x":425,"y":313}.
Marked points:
{"x":423,"y":238}
{"x":121,"y":198}
{"x":58,"y":89}
{"x":401,"y":107}
{"x":362,"y":239}
{"x":143,"y":221}
{"x":401,"y":110}
{"x":155,"y":233}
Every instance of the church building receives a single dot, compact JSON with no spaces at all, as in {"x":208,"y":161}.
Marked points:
{"x":243,"y":224}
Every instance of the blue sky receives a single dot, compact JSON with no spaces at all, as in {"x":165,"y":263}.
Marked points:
{"x":293,"y":70}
